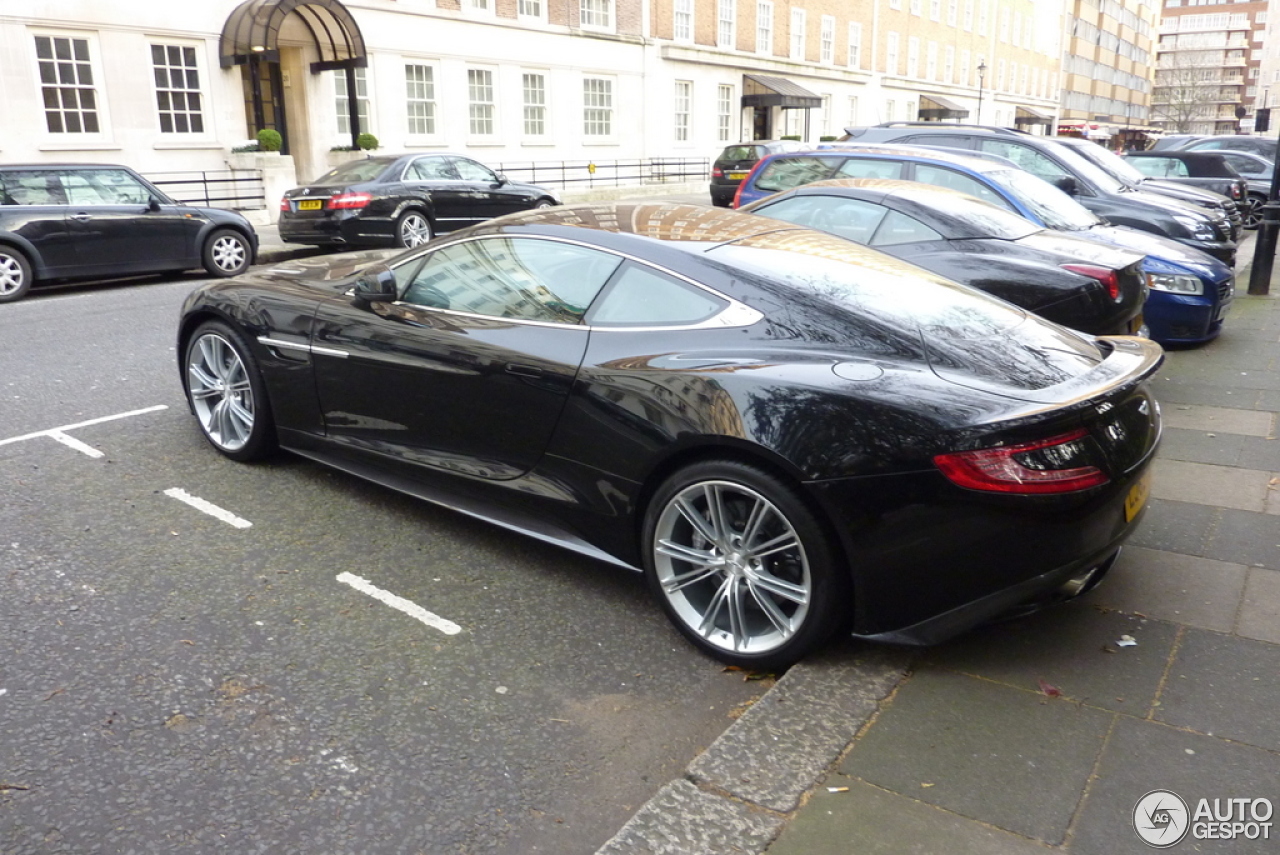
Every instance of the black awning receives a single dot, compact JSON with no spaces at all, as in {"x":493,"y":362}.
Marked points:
{"x":937,"y":107}
{"x":253,"y":29}
{"x":1032,"y":116}
{"x":759,"y":90}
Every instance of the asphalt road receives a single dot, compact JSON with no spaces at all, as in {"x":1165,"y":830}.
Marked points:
{"x":177,"y":681}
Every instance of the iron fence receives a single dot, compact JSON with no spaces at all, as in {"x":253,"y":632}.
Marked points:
{"x":586,"y":174}
{"x":241,"y":189}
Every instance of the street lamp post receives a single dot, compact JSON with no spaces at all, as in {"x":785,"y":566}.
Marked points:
{"x":982,"y":73}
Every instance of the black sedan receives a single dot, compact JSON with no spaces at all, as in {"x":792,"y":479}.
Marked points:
{"x":1079,"y":283}
{"x":401,"y":200}
{"x":65,"y":221}
{"x":791,"y":434}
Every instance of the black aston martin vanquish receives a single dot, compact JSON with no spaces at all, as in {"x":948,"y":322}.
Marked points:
{"x":790,"y":434}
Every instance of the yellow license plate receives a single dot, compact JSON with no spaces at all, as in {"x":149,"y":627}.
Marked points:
{"x":310,"y":204}
{"x":1137,"y":498}
{"x":737,"y":176}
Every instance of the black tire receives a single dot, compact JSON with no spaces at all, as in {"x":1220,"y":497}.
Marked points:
{"x":15,"y":275}
{"x":413,"y":228}
{"x":1252,"y":214}
{"x":227,"y":253}
{"x":226,"y":392}
{"x":791,"y":598}
{"x":544,"y":202}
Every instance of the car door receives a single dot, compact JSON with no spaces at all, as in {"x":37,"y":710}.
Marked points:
{"x":120,"y":225}
{"x":498,"y":197}
{"x":432,"y":177}
{"x":469,"y":370}
{"x":35,"y":212}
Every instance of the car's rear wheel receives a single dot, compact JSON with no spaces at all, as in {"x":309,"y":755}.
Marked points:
{"x":227,"y":394}
{"x":227,"y":253}
{"x":15,"y":275}
{"x":1253,"y":211}
{"x":413,"y":229}
{"x":742,"y":566}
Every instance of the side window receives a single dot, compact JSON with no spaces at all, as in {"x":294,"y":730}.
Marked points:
{"x":642,"y":296}
{"x":33,"y":187}
{"x":952,"y":180}
{"x":104,"y":187}
{"x":787,"y":172}
{"x":431,"y":169}
{"x":857,"y":168}
{"x":851,"y":219}
{"x":523,"y":278}
{"x":947,"y":140}
{"x":1153,"y":167}
{"x":1245,"y":166}
{"x":899,"y":228}
{"x":1026,"y":158}
{"x":469,"y":170}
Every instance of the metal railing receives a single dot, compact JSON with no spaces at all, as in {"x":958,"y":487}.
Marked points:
{"x":586,"y":174}
{"x":241,"y":189}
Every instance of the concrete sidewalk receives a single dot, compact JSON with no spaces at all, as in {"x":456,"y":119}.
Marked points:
{"x":1043,"y":734}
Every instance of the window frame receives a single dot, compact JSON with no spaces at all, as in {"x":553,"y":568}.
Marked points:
{"x":544,"y":106}
{"x":433,"y":101}
{"x":592,"y":9}
{"x":764,"y":27}
{"x":492,"y":103}
{"x":94,"y":64}
{"x":197,"y":68}
{"x":609,"y":137}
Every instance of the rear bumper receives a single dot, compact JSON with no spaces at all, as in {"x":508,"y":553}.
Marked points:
{"x":338,"y":228}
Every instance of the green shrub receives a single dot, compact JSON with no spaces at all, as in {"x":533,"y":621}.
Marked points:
{"x":269,"y":140}
{"x":367,"y":142}
{"x":796,"y":138}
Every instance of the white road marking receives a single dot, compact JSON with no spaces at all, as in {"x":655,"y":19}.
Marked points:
{"x":208,"y":507}
{"x":409,"y":607}
{"x":59,"y":433}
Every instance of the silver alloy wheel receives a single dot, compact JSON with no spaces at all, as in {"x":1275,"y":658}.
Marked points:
{"x":732,"y":567}
{"x":13,"y":278}
{"x":415,"y":230}
{"x":1253,"y":212}
{"x":221,"y":392}
{"x":228,"y":253}
{"x":545,"y":203}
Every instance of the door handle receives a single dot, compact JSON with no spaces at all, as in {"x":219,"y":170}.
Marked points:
{"x":82,"y":216}
{"x":521,"y":370}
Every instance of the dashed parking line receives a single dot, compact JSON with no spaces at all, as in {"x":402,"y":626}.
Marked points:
{"x":207,"y":507}
{"x":409,"y":607}
{"x":59,"y":434}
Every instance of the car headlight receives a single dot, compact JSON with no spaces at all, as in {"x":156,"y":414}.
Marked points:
{"x":1175,"y":283}
{"x":1200,"y":228}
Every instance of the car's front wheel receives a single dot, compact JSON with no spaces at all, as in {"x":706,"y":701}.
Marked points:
{"x":742,"y":566}
{"x":1253,"y":211}
{"x":544,"y":202}
{"x":227,"y":253}
{"x":15,"y":275}
{"x":227,"y":393}
{"x":412,"y":229}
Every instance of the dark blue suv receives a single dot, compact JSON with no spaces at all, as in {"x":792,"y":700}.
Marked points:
{"x":1191,"y":291}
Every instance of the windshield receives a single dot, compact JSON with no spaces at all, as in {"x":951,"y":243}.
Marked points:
{"x":1050,"y":205}
{"x":1089,"y":171}
{"x":1108,"y":160}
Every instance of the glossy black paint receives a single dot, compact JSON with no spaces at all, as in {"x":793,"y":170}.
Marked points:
{"x":452,"y":191}
{"x":982,"y":246}
{"x":840,"y":370}
{"x":65,"y":238}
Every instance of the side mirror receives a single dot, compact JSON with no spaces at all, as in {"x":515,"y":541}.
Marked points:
{"x":1067,"y":184}
{"x":502,"y":179}
{"x":376,"y":286}
{"x":153,"y":204}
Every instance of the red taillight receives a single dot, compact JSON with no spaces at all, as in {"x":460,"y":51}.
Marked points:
{"x":1109,"y":278}
{"x":1237,"y":192}
{"x":349,"y":200}
{"x":1047,"y":466}
{"x":717,"y":172}
{"x":284,"y":204}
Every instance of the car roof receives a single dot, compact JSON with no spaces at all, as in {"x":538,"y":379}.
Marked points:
{"x":12,"y":167}
{"x":889,"y":151}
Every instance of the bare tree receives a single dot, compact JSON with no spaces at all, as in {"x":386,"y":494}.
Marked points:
{"x":1187,"y":85}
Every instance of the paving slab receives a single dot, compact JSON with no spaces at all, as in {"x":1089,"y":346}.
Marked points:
{"x":1260,"y":609}
{"x":1176,"y":390}
{"x":1173,"y":587}
{"x":1218,"y":419}
{"x":1243,"y":537}
{"x":1225,"y":686}
{"x":1200,"y":446}
{"x":682,"y":819}
{"x":1184,"y":527}
{"x":869,"y":821}
{"x":1003,"y":756}
{"x":1073,"y":649}
{"x":1259,"y":453}
{"x":1218,"y":486}
{"x":1142,"y":756}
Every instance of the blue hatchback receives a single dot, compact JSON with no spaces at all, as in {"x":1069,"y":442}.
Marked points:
{"x":1191,"y":291}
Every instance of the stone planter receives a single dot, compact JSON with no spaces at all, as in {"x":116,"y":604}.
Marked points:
{"x":278,"y":175}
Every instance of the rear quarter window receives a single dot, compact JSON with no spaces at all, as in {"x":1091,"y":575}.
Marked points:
{"x":787,"y":172}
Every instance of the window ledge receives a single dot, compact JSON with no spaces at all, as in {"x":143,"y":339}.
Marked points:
{"x":83,"y":146}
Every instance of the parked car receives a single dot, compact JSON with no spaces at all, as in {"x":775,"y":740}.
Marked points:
{"x":1209,"y":170}
{"x":735,"y":161}
{"x":1108,"y":197}
{"x":1233,"y":202}
{"x":1191,"y":292}
{"x":791,"y":434}
{"x":401,"y":200}
{"x":1261,"y":146}
{"x":82,"y":221}
{"x":1075,"y":282}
